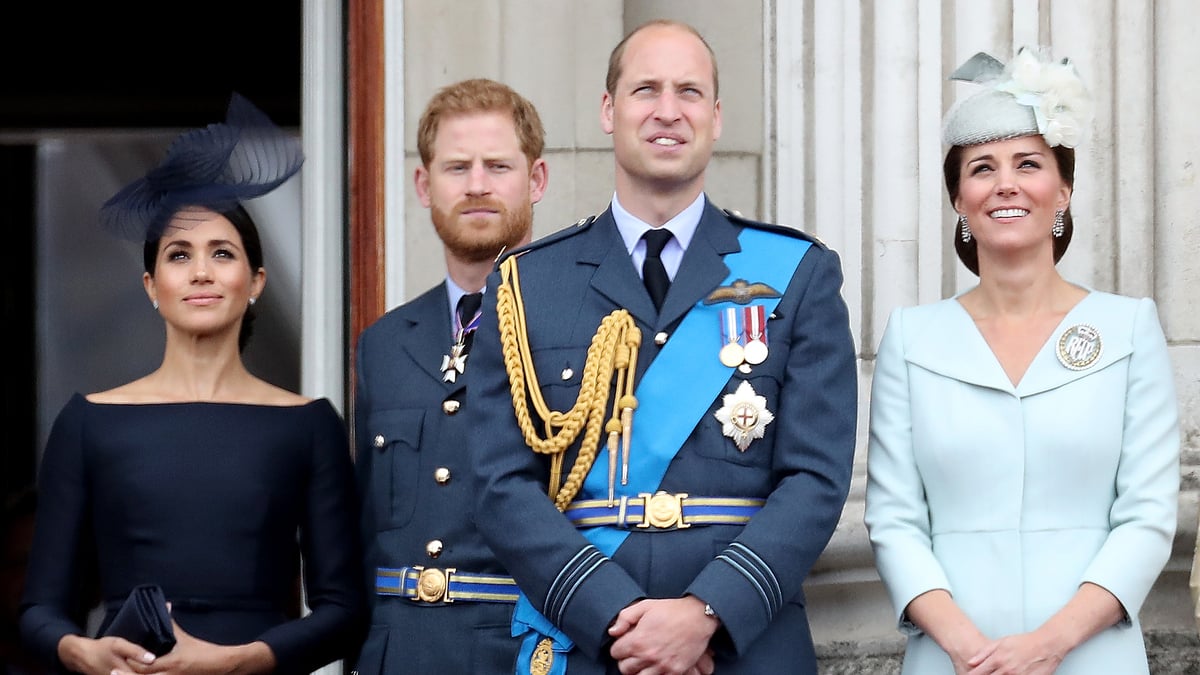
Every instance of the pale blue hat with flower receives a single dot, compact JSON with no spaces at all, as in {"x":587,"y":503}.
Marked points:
{"x":1033,"y":94}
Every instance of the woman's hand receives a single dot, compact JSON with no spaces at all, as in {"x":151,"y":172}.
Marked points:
{"x":936,"y":613}
{"x":1021,"y":654}
{"x":193,"y":656}
{"x":1091,"y":610}
{"x":965,"y":646}
{"x":101,"y":656}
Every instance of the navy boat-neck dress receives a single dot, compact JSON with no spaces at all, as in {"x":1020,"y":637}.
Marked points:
{"x":217,"y":503}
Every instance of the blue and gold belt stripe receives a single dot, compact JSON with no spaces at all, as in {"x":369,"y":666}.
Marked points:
{"x":434,"y":585}
{"x":663,"y":511}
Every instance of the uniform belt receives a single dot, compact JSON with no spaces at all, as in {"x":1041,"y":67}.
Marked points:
{"x":434,"y":585}
{"x":663,"y":511}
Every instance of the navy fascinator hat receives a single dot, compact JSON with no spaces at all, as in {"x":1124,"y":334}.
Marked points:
{"x":217,"y":167}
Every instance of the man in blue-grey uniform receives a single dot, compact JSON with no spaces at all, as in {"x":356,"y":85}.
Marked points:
{"x":441,"y":603}
{"x":663,"y":405}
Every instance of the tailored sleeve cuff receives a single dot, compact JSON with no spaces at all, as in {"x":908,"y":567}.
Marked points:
{"x":289,"y":656}
{"x":1130,"y":599}
{"x":743,"y":591}
{"x":44,"y":637}
{"x":308,"y":643}
{"x":1129,"y":563}
{"x":588,"y":609}
{"x":907,"y":571}
{"x":907,"y":627}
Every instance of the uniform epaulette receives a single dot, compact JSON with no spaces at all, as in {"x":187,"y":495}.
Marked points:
{"x":782,"y":229}
{"x":579,"y":226}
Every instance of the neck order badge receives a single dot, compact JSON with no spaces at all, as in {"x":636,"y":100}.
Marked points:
{"x":455,"y":363}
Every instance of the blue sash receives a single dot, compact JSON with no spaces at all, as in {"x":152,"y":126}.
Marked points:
{"x":766,"y":257}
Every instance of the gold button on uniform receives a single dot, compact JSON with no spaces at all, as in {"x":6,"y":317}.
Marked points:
{"x":441,"y":475}
{"x":450,"y":407}
{"x":660,"y":339}
{"x":567,"y":374}
{"x":379,"y":440}
{"x":434,"y":548}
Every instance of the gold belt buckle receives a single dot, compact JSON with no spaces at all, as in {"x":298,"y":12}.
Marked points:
{"x":433,"y":584}
{"x":663,"y":510}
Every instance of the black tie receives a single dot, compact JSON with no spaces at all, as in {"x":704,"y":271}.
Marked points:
{"x":468,"y":306}
{"x":654,"y":275}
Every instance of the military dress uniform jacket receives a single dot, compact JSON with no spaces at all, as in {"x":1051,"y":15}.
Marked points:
{"x":801,"y":466}
{"x":1009,"y":497}
{"x":411,"y":451}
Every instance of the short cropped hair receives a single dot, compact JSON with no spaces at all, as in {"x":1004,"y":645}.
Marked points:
{"x":480,"y":95}
{"x":618,"y":53}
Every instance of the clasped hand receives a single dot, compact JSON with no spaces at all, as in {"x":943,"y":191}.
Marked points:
{"x":190,"y":656}
{"x":663,"y":637}
{"x":1020,"y":654}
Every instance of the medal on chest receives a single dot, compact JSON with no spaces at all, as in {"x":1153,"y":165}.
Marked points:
{"x":455,"y":363}
{"x":756,"y":334}
{"x":732,"y":353}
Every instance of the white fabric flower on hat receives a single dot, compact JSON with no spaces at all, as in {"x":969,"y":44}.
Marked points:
{"x":1054,"y":91}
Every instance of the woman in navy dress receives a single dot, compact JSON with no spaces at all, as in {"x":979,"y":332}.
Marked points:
{"x":200,"y":477}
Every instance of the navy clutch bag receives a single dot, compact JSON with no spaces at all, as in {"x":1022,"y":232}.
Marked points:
{"x":143,"y":620}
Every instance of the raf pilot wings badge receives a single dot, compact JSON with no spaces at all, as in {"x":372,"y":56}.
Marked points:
{"x":741,"y":292}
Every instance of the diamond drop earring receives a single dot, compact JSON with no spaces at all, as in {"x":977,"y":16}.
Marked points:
{"x":1058,"y":228}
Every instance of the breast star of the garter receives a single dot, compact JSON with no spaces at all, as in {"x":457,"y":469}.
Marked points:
{"x":744,"y":416}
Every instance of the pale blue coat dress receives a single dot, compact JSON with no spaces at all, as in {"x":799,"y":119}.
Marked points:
{"x":1011,"y":497}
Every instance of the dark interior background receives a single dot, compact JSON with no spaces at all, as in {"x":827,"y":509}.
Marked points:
{"x":114,"y":66}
